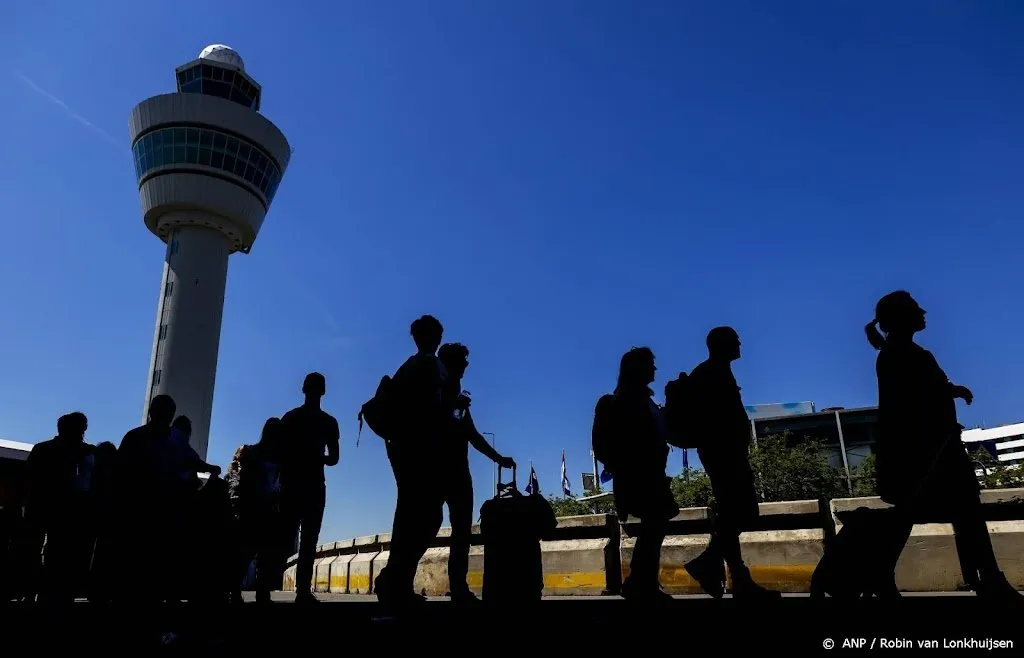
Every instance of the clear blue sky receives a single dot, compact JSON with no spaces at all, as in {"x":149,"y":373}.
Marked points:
{"x":556,"y":181}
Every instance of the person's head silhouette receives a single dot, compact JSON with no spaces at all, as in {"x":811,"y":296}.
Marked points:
{"x":183,"y":425}
{"x":636,"y":368}
{"x":72,"y":426}
{"x":455,"y":358}
{"x":271,"y":432}
{"x":427,"y":333}
{"x":899,"y":316}
{"x":723,"y":344}
{"x":161,"y":410}
{"x":314,"y":386}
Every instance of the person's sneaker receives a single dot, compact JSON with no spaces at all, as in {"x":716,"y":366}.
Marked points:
{"x":749,"y":590}
{"x":464,"y":597}
{"x":997,"y":587}
{"x":709,"y":574}
{"x":306,"y":597}
{"x":644,"y":595}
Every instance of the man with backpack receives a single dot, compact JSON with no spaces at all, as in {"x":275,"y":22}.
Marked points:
{"x":409,"y":413}
{"x":721,"y":430}
{"x":308,"y":432}
{"x":455,"y":479}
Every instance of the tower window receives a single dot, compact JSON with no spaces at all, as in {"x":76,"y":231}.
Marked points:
{"x":156,"y":377}
{"x":187,"y":145}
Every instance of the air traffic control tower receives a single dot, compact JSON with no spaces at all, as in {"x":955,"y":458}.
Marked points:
{"x":208,"y":165}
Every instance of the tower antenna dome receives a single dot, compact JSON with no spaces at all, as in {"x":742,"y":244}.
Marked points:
{"x":223,"y":55}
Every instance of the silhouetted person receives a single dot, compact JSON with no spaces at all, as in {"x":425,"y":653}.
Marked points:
{"x":454,"y":477}
{"x":922,"y":465}
{"x":629,"y":439}
{"x":311,"y":441}
{"x":101,"y":573}
{"x":255,"y":496}
{"x":724,"y":431}
{"x":414,"y":456}
{"x":60,"y":475}
{"x":10,"y":538}
{"x":211,"y":550}
{"x":147,"y":501}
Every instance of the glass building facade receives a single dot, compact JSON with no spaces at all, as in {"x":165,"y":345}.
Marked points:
{"x":221,"y":82}
{"x":185,"y":145}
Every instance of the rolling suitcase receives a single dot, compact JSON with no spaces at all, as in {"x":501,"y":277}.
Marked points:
{"x":859,"y":561}
{"x":512,"y":525}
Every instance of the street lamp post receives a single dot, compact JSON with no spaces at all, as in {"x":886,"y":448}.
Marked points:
{"x":494,"y":471}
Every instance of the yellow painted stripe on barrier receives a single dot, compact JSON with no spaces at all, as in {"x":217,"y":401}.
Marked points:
{"x":582,"y":580}
{"x":792,"y":577}
{"x":358,"y":582}
{"x":554,"y":581}
{"x":783,"y":575}
{"x":339,"y":583}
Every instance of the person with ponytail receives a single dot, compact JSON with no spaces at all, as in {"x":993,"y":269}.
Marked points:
{"x":922,"y":466}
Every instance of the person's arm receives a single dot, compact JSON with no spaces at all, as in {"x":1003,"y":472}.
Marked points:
{"x":197,"y":464}
{"x":333,"y":444}
{"x":480,"y":443}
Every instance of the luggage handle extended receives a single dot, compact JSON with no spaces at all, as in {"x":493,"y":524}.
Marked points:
{"x":508,"y":487}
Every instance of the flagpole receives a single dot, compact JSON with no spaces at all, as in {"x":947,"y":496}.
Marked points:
{"x":597,"y":478}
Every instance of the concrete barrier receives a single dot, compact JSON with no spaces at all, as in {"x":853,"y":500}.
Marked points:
{"x":586,"y":561}
{"x":288,"y":579}
{"x":322,"y":567}
{"x":381,"y":559}
{"x":591,"y":554}
{"x":782,"y":559}
{"x":360,"y":572}
{"x":339,"y":567}
{"x":432,"y":572}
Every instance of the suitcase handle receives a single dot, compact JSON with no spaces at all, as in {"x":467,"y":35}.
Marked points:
{"x":509,"y":486}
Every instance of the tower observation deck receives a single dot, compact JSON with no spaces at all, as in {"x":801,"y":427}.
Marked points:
{"x":208,"y":165}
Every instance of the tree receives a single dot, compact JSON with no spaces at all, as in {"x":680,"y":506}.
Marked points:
{"x":864,"y":477}
{"x":785,"y":469}
{"x":692,"y":488}
{"x":995,"y":474}
{"x":567,"y":506}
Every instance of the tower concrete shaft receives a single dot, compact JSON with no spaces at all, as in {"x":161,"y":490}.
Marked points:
{"x":189,"y":314}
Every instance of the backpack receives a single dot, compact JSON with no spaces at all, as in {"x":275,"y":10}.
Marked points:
{"x":381,"y":412}
{"x":604,"y":434}
{"x":678,"y":413}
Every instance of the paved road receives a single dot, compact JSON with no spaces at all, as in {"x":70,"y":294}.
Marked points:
{"x":558,"y":625}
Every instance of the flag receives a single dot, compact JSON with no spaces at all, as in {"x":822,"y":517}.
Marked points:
{"x":606,"y":477}
{"x":565,"y":478}
{"x":533,"y":486}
